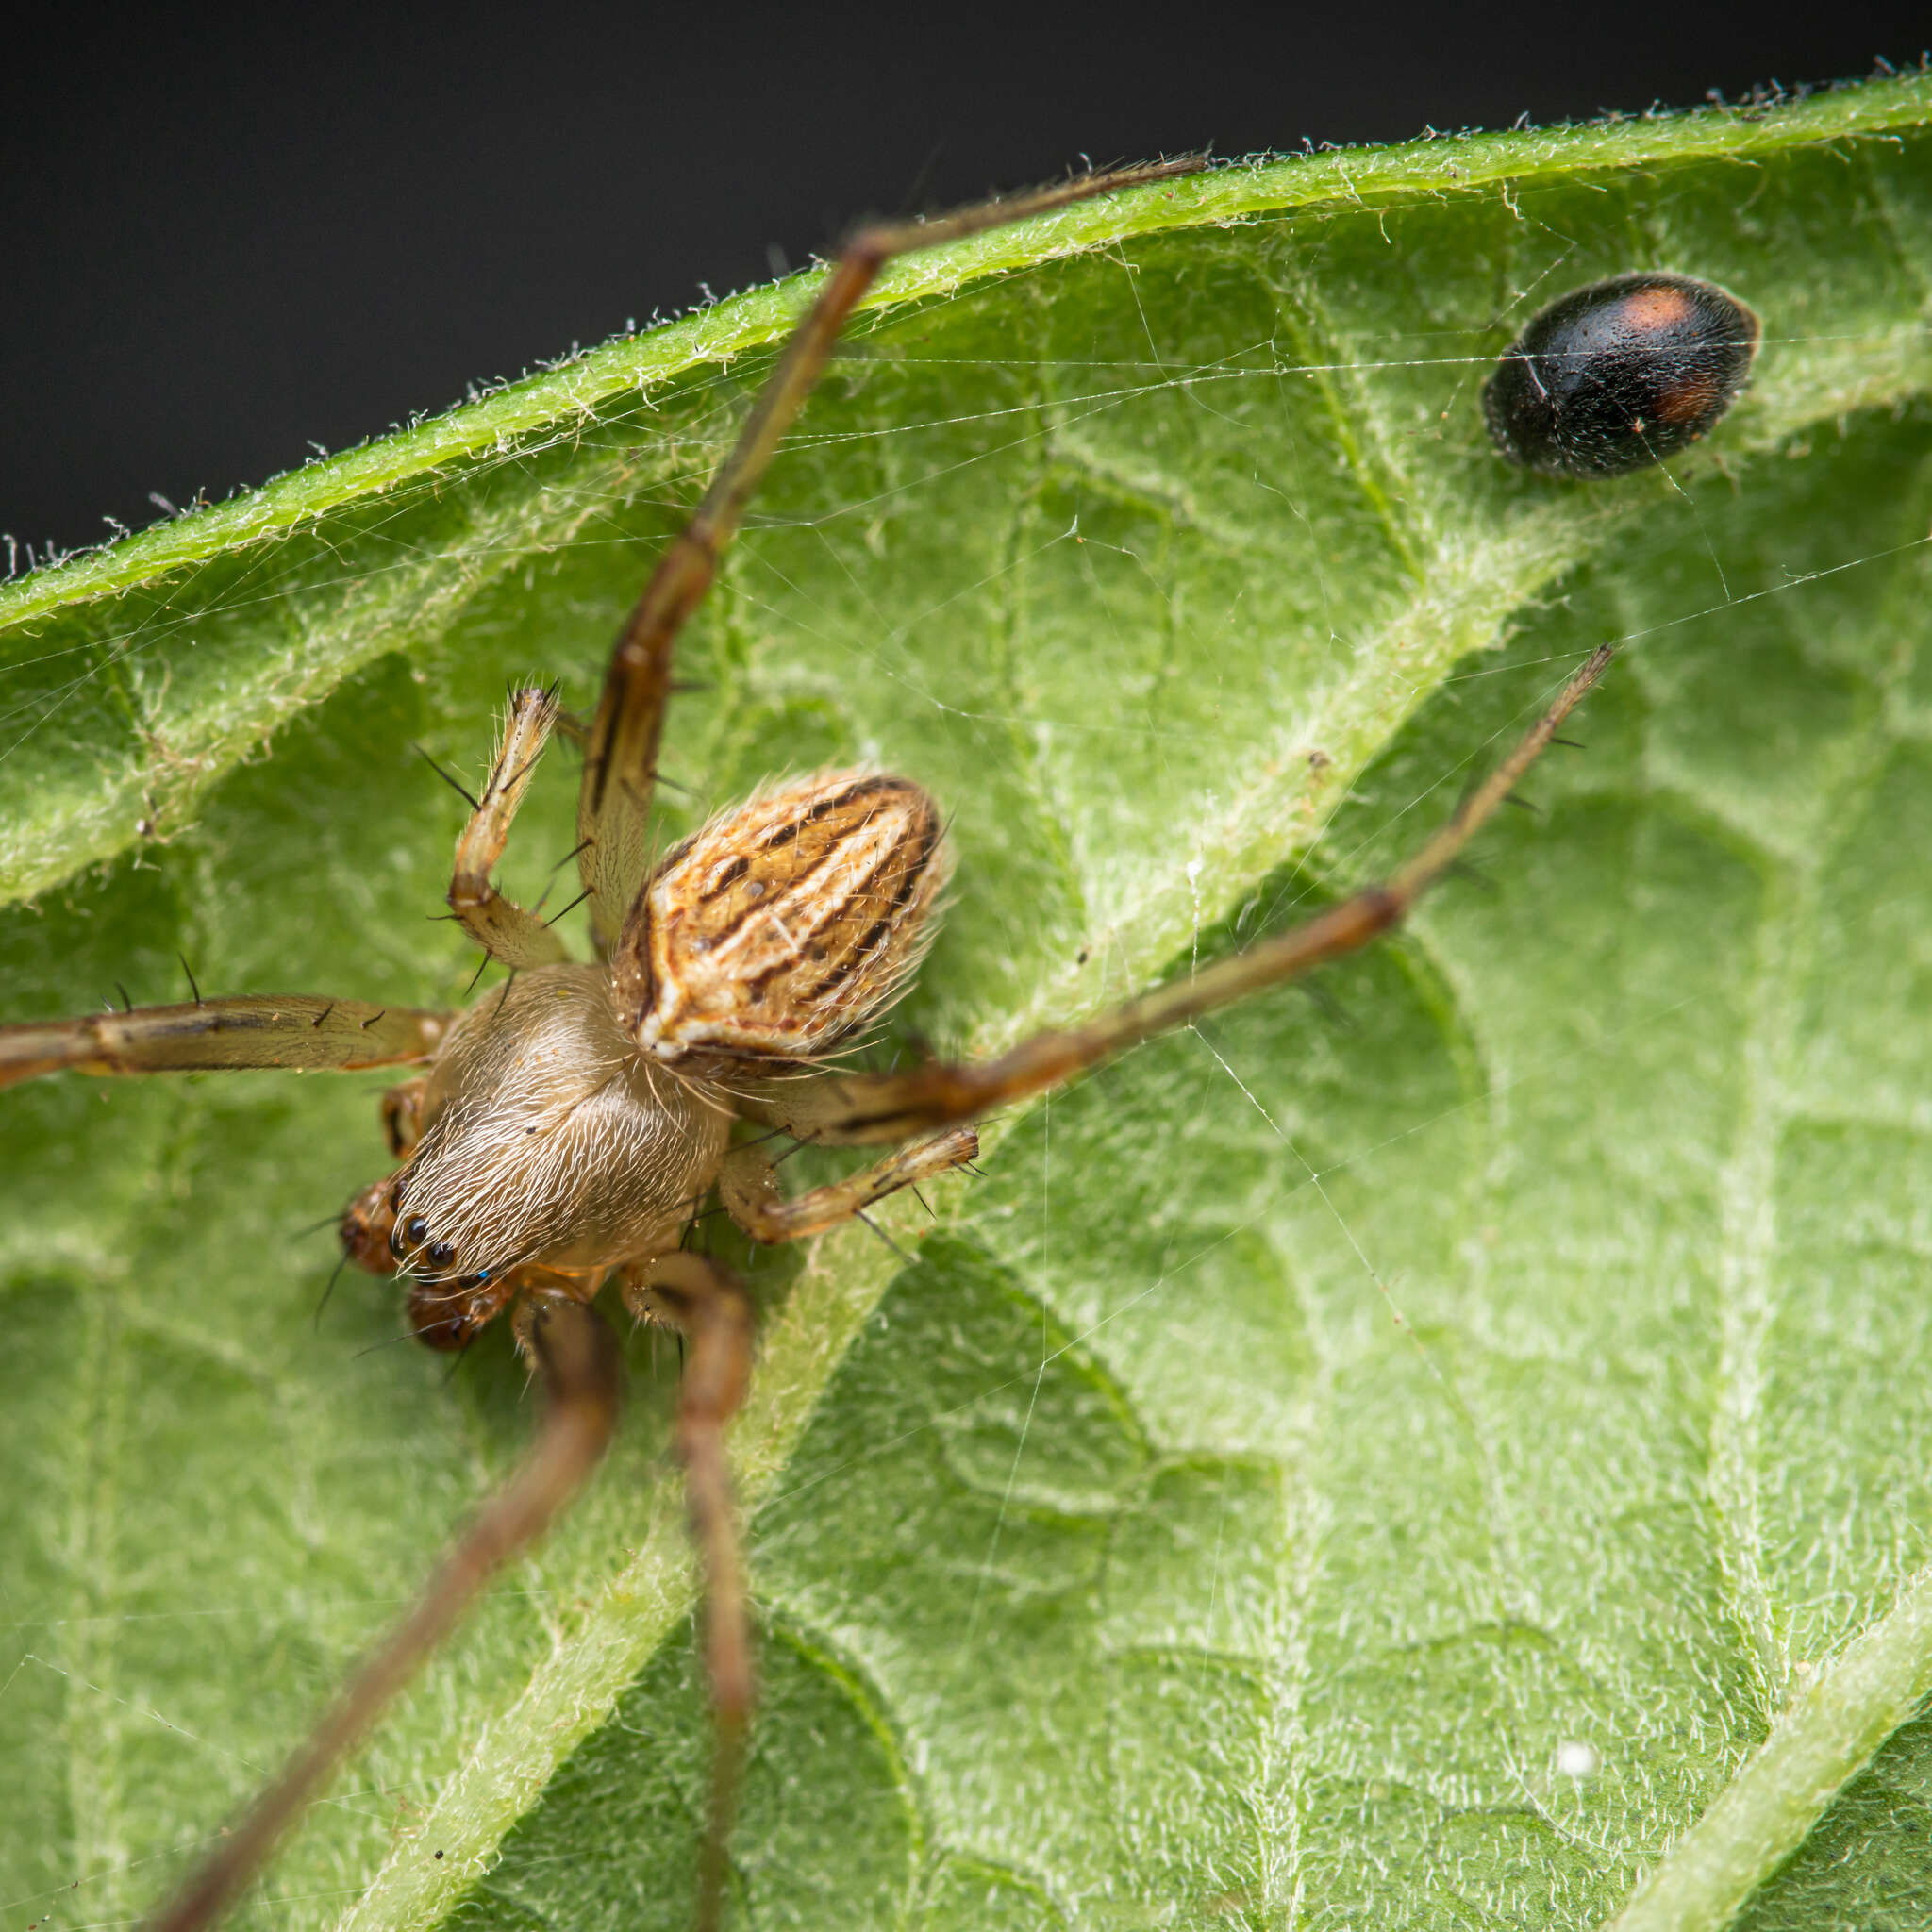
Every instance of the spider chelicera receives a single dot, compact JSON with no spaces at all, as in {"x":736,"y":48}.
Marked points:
{"x":568,"y":1126}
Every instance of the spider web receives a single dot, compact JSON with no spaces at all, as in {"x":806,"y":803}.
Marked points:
{"x":1369,"y":1459}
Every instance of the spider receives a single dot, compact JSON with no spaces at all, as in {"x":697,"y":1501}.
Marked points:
{"x":568,"y":1126}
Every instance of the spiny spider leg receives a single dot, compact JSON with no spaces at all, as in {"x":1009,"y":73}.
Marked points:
{"x":500,"y":925}
{"x":621,"y":762}
{"x":707,"y":1305}
{"x":889,"y":1107}
{"x":292,"y":1031}
{"x":749,"y":1187}
{"x":577,"y":1355}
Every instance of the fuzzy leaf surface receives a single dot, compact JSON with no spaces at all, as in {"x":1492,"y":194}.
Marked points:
{"x":1456,"y":1451}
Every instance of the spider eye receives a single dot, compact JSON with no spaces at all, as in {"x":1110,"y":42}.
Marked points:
{"x":441,"y":1253}
{"x":416,"y":1230}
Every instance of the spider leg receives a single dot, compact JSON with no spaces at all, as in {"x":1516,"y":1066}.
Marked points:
{"x":620,"y":762}
{"x":576,"y":1357}
{"x":890,"y":1106}
{"x":707,"y":1305}
{"x":500,"y":925}
{"x":749,"y":1187}
{"x":292,"y":1031}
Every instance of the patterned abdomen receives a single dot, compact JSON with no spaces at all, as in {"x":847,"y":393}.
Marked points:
{"x":789,"y":921}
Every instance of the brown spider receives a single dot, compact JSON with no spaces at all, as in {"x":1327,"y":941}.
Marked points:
{"x":570,"y":1124}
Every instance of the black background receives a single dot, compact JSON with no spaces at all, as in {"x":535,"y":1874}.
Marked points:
{"x":231,"y":239}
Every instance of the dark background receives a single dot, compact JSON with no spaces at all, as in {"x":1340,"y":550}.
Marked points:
{"x":231,"y":240}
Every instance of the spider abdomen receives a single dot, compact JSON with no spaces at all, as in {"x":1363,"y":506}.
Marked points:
{"x":793,"y":919}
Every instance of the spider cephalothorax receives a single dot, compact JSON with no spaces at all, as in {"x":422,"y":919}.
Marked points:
{"x":549,"y":1142}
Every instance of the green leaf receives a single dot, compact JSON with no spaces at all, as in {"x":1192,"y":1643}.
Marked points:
{"x":1450,"y":1451}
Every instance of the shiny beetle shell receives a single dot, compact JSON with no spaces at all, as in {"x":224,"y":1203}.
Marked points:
{"x":1619,"y":375}
{"x":793,"y":919}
